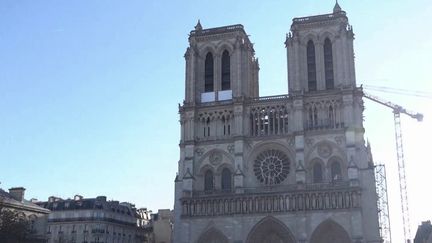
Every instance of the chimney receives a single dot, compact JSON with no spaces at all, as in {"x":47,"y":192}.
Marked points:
{"x":17,"y":193}
{"x":101,"y":198}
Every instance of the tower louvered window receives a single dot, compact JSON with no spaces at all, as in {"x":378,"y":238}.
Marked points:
{"x":311,"y":66}
{"x":226,"y":79}
{"x":328,"y":64}
{"x":208,"y":73}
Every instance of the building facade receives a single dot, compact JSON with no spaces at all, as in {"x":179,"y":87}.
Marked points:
{"x":287,"y":168}
{"x":424,"y":233}
{"x":36,"y":216}
{"x":162,"y":223}
{"x":90,"y":220}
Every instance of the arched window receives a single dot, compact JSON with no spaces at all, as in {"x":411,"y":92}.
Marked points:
{"x":208,"y":181}
{"x":330,"y":122}
{"x":328,"y":64}
{"x":226,"y":79}
{"x":311,"y":66}
{"x":317,"y":173}
{"x":336,"y":171}
{"x":226,"y":181}
{"x":208,"y":73}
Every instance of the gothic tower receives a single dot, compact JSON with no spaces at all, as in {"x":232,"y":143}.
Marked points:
{"x":288,"y":168}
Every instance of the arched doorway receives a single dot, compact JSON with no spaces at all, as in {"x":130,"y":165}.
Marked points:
{"x":212,"y":236}
{"x":330,"y":232}
{"x":270,"y":230}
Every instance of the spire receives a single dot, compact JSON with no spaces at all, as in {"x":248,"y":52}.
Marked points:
{"x":198,"y":26}
{"x":337,"y":8}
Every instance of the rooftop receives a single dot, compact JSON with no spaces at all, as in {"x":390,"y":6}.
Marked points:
{"x":8,"y":200}
{"x":224,"y":29}
{"x":79,"y":203}
{"x":319,"y":18}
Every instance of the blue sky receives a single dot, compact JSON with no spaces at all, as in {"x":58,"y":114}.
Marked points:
{"x":89,"y":89}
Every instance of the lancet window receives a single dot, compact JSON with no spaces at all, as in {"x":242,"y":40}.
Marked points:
{"x":208,"y":181}
{"x":226,"y":126}
{"x":215,"y":124}
{"x":226,"y":71}
{"x":325,"y":114}
{"x":206,"y":128}
{"x":208,"y":73}
{"x":336,"y":171}
{"x":328,"y":64}
{"x":317,"y":172}
{"x":271,"y":120}
{"x":226,"y":180}
{"x":311,"y":66}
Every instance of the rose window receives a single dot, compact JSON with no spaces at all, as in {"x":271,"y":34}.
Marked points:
{"x":271,"y":167}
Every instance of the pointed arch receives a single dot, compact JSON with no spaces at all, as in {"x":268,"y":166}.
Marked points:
{"x":226,"y":180}
{"x":330,"y":232}
{"x":208,"y":73}
{"x":328,"y":64}
{"x":208,"y":181}
{"x":270,"y":230}
{"x":337,"y":168}
{"x":336,"y":171}
{"x":311,"y":66}
{"x":317,"y":172}
{"x":212,"y":236}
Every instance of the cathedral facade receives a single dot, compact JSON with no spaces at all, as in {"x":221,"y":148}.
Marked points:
{"x":278,"y":169}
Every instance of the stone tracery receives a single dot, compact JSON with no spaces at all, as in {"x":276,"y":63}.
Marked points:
{"x":271,"y":167}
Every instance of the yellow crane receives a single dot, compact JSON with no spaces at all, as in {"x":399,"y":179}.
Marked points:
{"x":397,"y":111}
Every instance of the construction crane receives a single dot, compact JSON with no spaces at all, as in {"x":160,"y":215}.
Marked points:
{"x":397,"y":110}
{"x":420,"y":94}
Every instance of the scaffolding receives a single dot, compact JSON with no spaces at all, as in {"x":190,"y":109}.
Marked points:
{"x":382,"y":203}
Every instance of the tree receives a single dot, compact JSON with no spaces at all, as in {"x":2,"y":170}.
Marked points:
{"x":14,"y":226}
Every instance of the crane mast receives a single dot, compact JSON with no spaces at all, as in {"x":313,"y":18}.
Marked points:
{"x":397,"y":110}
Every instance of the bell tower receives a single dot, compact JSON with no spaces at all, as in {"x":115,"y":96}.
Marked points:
{"x":320,"y":53}
{"x":220,"y":65}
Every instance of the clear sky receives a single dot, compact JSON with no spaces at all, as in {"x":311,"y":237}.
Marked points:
{"x":89,"y":89}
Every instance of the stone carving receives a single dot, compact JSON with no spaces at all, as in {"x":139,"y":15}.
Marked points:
{"x":309,"y":142}
{"x":230,"y":148}
{"x":271,"y":167}
{"x":291,"y":142}
{"x":339,"y":139}
{"x":329,"y":199}
{"x":215,"y":158}
{"x":324,"y":150}
{"x":199,"y":151}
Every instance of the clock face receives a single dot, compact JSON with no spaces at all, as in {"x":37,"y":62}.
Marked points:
{"x":271,"y":167}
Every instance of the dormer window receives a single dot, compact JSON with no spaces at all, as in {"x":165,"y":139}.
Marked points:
{"x":226,"y":79}
{"x":208,"y":73}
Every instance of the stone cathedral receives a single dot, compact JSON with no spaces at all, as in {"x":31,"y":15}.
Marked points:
{"x":277,"y":169}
